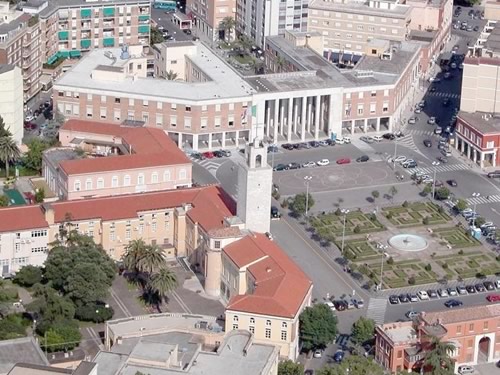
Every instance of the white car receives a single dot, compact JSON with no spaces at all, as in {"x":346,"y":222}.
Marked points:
{"x":309,"y":164}
{"x":339,"y":141}
{"x":423,"y":295}
{"x":29,"y":118}
{"x":377,"y":138}
{"x":497,"y":284}
{"x":412,"y":120}
{"x":323,"y":162}
{"x":465,"y":369}
{"x":412,"y":314}
{"x":443,"y":293}
{"x":431,"y":120}
{"x":330,"y":305}
{"x":400,"y":159}
{"x":317,"y":353}
{"x":347,"y":140}
{"x":359,"y":303}
{"x":407,"y":161}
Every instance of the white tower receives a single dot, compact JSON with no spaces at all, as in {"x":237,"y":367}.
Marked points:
{"x":255,"y":180}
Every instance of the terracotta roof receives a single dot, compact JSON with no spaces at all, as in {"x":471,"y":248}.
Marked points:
{"x":21,"y":218}
{"x":150,"y":147}
{"x":225,"y":232}
{"x":462,"y":315}
{"x":210,"y":205}
{"x":280,"y":285}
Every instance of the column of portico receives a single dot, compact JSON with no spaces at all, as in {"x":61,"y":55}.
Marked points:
{"x":195,"y":142}
{"x":317,"y":117}
{"x":295,"y":116}
{"x":468,"y":151}
{"x":179,"y":141}
{"x":309,"y":116}
{"x":268,"y":119}
{"x":209,"y":141}
{"x":282,"y":116}
{"x":237,"y":138}
{"x":462,"y":146}
{"x":365,"y":125}
{"x":353,"y":127}
{"x":330,"y":115}
{"x":378,"y":124}
{"x":223,"y":140}
{"x":303,"y":118}
{"x":494,"y":161}
{"x":289,"y":120}
{"x":481,"y":159}
{"x":275,"y":120}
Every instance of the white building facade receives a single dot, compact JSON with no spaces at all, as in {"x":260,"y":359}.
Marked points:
{"x":11,"y":100}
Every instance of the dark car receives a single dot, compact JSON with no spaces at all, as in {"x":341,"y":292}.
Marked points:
{"x":314,"y":144}
{"x":410,"y":165}
{"x":393,"y":300}
{"x":480,"y":287}
{"x":340,"y":305}
{"x":403,"y":298}
{"x":295,"y":146}
{"x":453,"y":303}
{"x":275,"y":213}
{"x":187,"y":32}
{"x":279,"y":167}
{"x":427,"y":143}
{"x":432,"y":293}
{"x":330,"y":142}
{"x":389,"y":136}
{"x":219,"y":154}
{"x":287,"y":146}
{"x":338,"y":356}
{"x":272,"y":148}
{"x":470,"y":289}
{"x":293,"y":166}
{"x":363,"y":158}
{"x":489,"y":285}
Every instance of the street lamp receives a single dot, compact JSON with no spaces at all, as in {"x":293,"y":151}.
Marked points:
{"x":383,"y":248}
{"x":307,"y":179}
{"x":345,"y":212}
{"x":435,"y":164}
{"x":475,"y":195}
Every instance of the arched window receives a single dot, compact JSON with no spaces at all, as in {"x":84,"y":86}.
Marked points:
{"x":114,"y":181}
{"x":140,"y":179}
{"x":154,"y":178}
{"x":126,"y":180}
{"x":182,"y":174}
{"x":78,"y":185}
{"x":100,"y":183}
{"x":258,"y":161}
{"x":166,"y":176}
{"x":88,"y":184}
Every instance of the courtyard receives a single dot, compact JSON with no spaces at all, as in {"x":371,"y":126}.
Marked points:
{"x":412,"y":244}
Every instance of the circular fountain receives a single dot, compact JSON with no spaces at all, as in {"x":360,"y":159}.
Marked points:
{"x":408,"y":242}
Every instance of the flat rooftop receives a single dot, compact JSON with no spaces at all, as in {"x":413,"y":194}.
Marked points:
{"x":54,"y":5}
{"x":317,"y":72}
{"x":484,"y":123}
{"x":362,"y":7}
{"x":224,"y":83}
{"x":493,"y":41}
{"x":399,"y":332}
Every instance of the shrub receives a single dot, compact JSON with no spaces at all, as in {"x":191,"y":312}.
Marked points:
{"x":445,"y":266}
{"x":96,"y":313}
{"x":480,"y":275}
{"x":284,"y":203}
{"x":350,"y":255}
{"x":338,"y":212}
{"x":411,"y":280}
{"x":357,"y":229}
{"x":372,"y":217}
{"x":441,"y":210}
{"x":425,"y":221}
{"x":428,"y":267}
{"x":460,"y":252}
{"x":8,"y":295}
{"x":28,"y":276}
{"x":389,"y":215}
{"x":375,"y":194}
{"x":498,"y":258}
{"x":405,"y":204}
{"x":390,"y":261}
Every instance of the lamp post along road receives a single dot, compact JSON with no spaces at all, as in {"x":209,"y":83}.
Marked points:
{"x":345,"y":212}
{"x":475,"y":195}
{"x":435,"y":164}
{"x":307,"y":179}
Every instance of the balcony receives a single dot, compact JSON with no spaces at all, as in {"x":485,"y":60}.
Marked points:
{"x":86,"y":25}
{"x":63,"y":35}
{"x":108,"y":12}
{"x":86,"y":13}
{"x":108,"y":42}
{"x":143,"y":29}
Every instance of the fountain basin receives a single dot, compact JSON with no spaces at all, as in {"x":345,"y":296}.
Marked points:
{"x":408,"y":242}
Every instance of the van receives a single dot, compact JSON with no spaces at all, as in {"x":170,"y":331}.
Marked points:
{"x":495,"y":174}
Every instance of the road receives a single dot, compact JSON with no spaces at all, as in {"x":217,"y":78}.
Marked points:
{"x":163,"y":18}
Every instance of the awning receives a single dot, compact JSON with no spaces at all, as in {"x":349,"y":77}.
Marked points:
{"x":52,"y":59}
{"x":85,"y":43}
{"x":356,"y":58}
{"x":346,"y":57}
{"x":63,"y":35}
{"x":108,"y":42}
{"x":75,"y":53}
{"x":86,"y":13}
{"x":144,"y":29}
{"x":108,"y":12}
{"x":63,"y":54}
{"x":144,"y":17}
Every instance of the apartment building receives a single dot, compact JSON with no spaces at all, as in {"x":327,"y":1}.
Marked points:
{"x":207,"y":16}
{"x":20,"y":46}
{"x":330,"y":101}
{"x":210,"y":108}
{"x":474,"y":332}
{"x":480,"y":85}
{"x":348,"y":26}
{"x":11,"y":100}
{"x":116,"y":160}
{"x":71,"y":27}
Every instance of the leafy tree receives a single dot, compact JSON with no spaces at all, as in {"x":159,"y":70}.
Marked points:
{"x":298,"y":203}
{"x":80,"y":269}
{"x":9,"y":152}
{"x":227,"y":24}
{"x":461,"y":205}
{"x":363,"y":330}
{"x":375,"y":194}
{"x":163,"y":282}
{"x":61,"y":336}
{"x":353,"y":365}
{"x":28,"y":276}
{"x":427,"y":189}
{"x":13,"y":326}
{"x":442,"y":193}
{"x":318,"y":326}
{"x":155,"y":36}
{"x":33,"y":158}
{"x":289,"y":367}
{"x":94,"y":312}
{"x":479,"y":221}
{"x":4,"y":201}
{"x":39,"y":195}
{"x":438,"y":360}
{"x":50,"y":306}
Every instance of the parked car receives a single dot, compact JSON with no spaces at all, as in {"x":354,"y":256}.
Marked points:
{"x":400,"y":159}
{"x":431,"y":120}
{"x":367,"y":139}
{"x":452,"y":292}
{"x":470,"y":289}
{"x":462,"y":290}
{"x":438,"y":131}
{"x":279,"y":167}
{"x":393,"y":300}
{"x":443,"y":293}
{"x":358,"y":303}
{"x":413,"y":297}
{"x":293,"y":166}
{"x":209,"y":154}
{"x":412,"y":120}
{"x":480,"y":288}
{"x":403,"y":298}
{"x":308,"y":164}
{"x":338,"y":356}
{"x":465,"y":369}
{"x":343,"y":161}
{"x":340,"y":305}
{"x":427,"y":143}
{"x":323,"y":162}
{"x":363,"y":158}
{"x":317,"y":353}
{"x":453,"y":303}
{"x":314,"y":144}
{"x":412,"y":314}
{"x":422,"y":294}
{"x":330,"y":305}
{"x":378,"y":138}
{"x":347,"y":140}
{"x":432,"y":293}
{"x":275,"y":213}
{"x":389,"y":136}
{"x":493,"y":297}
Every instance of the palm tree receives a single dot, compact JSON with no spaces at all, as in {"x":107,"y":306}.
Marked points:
{"x":438,"y":359}
{"x":152,"y":259}
{"x":280,"y":62}
{"x":163,"y":282}
{"x":9,"y":152}
{"x":227,"y":24}
{"x":4,"y":132}
{"x":133,"y":255}
{"x":171,"y":76}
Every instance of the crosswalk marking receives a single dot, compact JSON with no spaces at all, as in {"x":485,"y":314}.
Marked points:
{"x":444,"y":94}
{"x":376,"y":309}
{"x":440,"y":168}
{"x":363,"y":146}
{"x":484,"y":199}
{"x":421,"y":132}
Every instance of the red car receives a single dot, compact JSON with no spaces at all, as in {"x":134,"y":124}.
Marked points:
{"x":344,"y":161}
{"x":493,"y":298}
{"x":29,"y":126}
{"x":208,"y":154}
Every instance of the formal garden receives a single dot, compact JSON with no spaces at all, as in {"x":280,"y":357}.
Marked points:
{"x":450,"y":252}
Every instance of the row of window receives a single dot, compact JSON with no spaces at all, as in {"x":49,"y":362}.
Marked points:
{"x":360,"y":108}
{"x":42,"y":249}
{"x":361,"y":94}
{"x":37,"y":233}
{"x":140,"y":229}
{"x":252,"y":321}
{"x":284,"y":334}
{"x":359,"y":17}
{"x":473,"y":137}
{"x":141,"y":180}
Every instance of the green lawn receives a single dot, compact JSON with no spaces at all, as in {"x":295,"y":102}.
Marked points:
{"x":415,"y":214}
{"x":330,"y":226}
{"x":456,"y":237}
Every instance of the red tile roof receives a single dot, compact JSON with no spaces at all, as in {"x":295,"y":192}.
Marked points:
{"x":462,"y":315}
{"x":280,"y":285}
{"x":210,"y":205}
{"x":150,"y":147}
{"x":21,"y":218}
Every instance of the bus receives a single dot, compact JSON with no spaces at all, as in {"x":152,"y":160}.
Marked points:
{"x":167,"y":5}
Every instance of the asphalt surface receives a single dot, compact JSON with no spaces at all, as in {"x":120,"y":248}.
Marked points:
{"x":164,"y":19}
